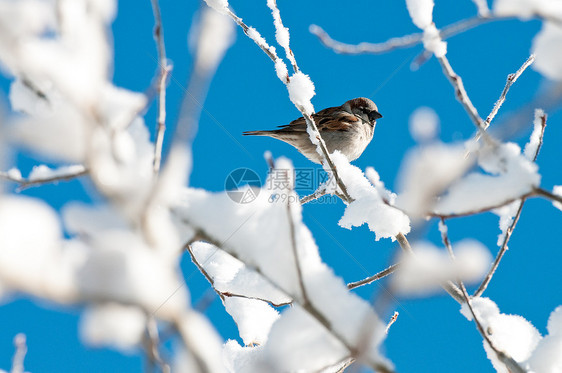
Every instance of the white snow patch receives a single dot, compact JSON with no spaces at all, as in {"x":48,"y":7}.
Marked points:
{"x":301,"y":91}
{"x":546,"y":44}
{"x":421,"y":12}
{"x":424,"y":124}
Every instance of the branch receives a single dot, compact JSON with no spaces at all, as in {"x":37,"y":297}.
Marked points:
{"x":511,"y":78}
{"x":317,"y":194}
{"x":373,"y":278}
{"x":153,"y":342}
{"x":406,"y":41}
{"x":461,"y":94}
{"x":28,"y":183}
{"x":392,"y":321}
{"x":165,"y":69}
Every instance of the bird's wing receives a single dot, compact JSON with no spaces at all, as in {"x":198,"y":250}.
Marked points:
{"x":330,"y":119}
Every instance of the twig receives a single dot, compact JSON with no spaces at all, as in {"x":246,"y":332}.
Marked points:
{"x":511,"y":364}
{"x":460,"y":93}
{"x":511,"y":78}
{"x":509,"y":231}
{"x":392,"y":321}
{"x":19,"y":355}
{"x":373,"y":278}
{"x":317,"y":194}
{"x":28,"y":183}
{"x":153,"y":342}
{"x":165,"y":69}
{"x":398,"y":42}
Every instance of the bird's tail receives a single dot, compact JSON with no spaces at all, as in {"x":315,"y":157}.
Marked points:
{"x":256,"y":133}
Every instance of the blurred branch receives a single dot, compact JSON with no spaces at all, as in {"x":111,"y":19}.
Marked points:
{"x":165,"y":69}
{"x":373,"y":278}
{"x":317,"y":194}
{"x":398,"y":42}
{"x":152,"y":345}
{"x":28,"y":183}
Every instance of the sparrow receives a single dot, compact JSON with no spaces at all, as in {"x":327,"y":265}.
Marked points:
{"x":348,"y":128}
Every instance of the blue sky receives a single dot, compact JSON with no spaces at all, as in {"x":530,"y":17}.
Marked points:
{"x":245,"y":94}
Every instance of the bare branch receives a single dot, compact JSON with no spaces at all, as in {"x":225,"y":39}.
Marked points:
{"x":511,"y":78}
{"x":373,"y":278}
{"x":460,"y":93}
{"x":153,"y":343}
{"x":165,"y":69}
{"x":28,"y":183}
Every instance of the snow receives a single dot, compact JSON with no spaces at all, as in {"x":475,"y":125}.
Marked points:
{"x":526,"y":9}
{"x":423,"y":272}
{"x":210,"y":38}
{"x":254,"y":318}
{"x":509,"y":175}
{"x":281,"y":70}
{"x":509,"y":333}
{"x":42,"y":172}
{"x":258,"y":234}
{"x":14,"y":174}
{"x":532,"y":147}
{"x":368,"y":205}
{"x":424,"y":124}
{"x":220,"y":6}
{"x":432,"y":41}
{"x":301,"y":91}
{"x":545,"y":46}
{"x":281,"y":32}
{"x":114,"y":325}
{"x":421,"y":12}
{"x":203,"y":341}
{"x":546,"y":357}
{"x":426,"y":172}
{"x":506,"y":214}
{"x":230,"y":275}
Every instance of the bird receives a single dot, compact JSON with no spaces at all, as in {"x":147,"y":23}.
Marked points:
{"x":348,"y":128}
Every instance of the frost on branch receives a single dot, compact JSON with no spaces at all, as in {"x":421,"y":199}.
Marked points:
{"x":423,"y":272}
{"x":368,"y":205}
{"x":220,"y":6}
{"x":511,"y":334}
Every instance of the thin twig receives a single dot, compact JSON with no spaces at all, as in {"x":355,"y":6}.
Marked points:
{"x":460,"y":92}
{"x":317,"y":194}
{"x":511,"y":364}
{"x":509,"y":231}
{"x":153,"y":343}
{"x":165,"y":69}
{"x":373,"y":278}
{"x":28,"y":183}
{"x":511,"y":78}
{"x":398,"y":42}
{"x":392,"y":321}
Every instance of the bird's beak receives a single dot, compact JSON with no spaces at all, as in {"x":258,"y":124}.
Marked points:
{"x":374,"y":115}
